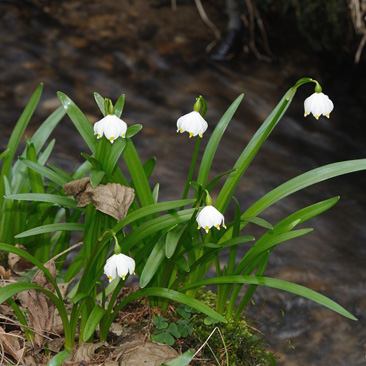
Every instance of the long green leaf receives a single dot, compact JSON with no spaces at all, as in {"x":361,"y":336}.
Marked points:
{"x":171,"y":295}
{"x":263,"y":245}
{"x":38,"y":139}
{"x":45,"y":129}
{"x":65,"y":226}
{"x":44,"y":155}
{"x":46,"y":172}
{"x":172,"y":240}
{"x":155,"y":225}
{"x":156,"y":256}
{"x":214,"y":141}
{"x":303,"y":181}
{"x":251,"y":150}
{"x":303,"y":215}
{"x":50,"y":198}
{"x":59,"y":358}
{"x":15,"y":288}
{"x":182,"y":360}
{"x":137,"y":173}
{"x":23,"y":254}
{"x":15,"y":137}
{"x":149,"y":210}
{"x":100,"y":102}
{"x":279,"y":285}
{"x":79,"y":120}
{"x":118,"y":107}
{"x":94,"y":318}
{"x":4,"y":153}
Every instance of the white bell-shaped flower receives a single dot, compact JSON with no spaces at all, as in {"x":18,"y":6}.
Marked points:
{"x":193,"y":123}
{"x":210,"y":216}
{"x":111,"y":127}
{"x":119,"y":265}
{"x":318,"y":104}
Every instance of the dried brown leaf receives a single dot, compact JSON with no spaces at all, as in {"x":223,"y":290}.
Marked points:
{"x":55,"y":344}
{"x":12,"y":344}
{"x":113,"y":199}
{"x":76,"y":187}
{"x":4,"y":274}
{"x":41,"y":309}
{"x":18,"y":264}
{"x":86,"y":351}
{"x":137,"y":351}
{"x":30,"y":361}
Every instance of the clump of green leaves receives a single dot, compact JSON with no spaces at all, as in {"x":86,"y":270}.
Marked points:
{"x":168,"y":331}
{"x":243,"y":346}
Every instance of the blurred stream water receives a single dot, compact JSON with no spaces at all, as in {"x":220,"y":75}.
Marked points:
{"x":158,"y":61}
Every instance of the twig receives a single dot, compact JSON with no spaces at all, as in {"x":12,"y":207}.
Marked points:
{"x":174,"y":5}
{"x":205,"y":18}
{"x":360,"y":48}
{"x":77,"y":245}
{"x":208,"y":338}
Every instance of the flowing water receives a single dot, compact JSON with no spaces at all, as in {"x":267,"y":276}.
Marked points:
{"x":157,"y":58}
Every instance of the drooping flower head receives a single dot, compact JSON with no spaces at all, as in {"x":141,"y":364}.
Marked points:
{"x":111,"y":127}
{"x":209,"y":217}
{"x":119,"y":265}
{"x":193,"y":122}
{"x":318,"y":104}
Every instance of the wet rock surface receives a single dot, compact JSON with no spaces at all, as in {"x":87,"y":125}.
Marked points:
{"x":157,"y":58}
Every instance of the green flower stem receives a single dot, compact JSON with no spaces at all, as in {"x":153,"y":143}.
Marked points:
{"x":200,"y":104}
{"x":300,"y":82}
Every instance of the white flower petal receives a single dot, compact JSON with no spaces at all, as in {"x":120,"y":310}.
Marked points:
{"x":208,"y":217}
{"x":193,"y":123}
{"x":318,"y":104}
{"x":111,"y":127}
{"x":119,"y":265}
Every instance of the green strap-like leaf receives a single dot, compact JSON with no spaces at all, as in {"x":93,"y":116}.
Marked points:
{"x":251,"y":150}
{"x":23,"y":254}
{"x":15,"y":137}
{"x":303,"y":215}
{"x":267,"y":243}
{"x":79,"y":120}
{"x":140,"y":182}
{"x":65,"y":226}
{"x":59,"y":358}
{"x":50,"y":198}
{"x":277,"y":284}
{"x":172,"y":240}
{"x":182,"y":360}
{"x":155,"y":225}
{"x":94,"y":318}
{"x":171,"y":295}
{"x":46,"y":172}
{"x":100,"y":102}
{"x":303,"y":181}
{"x":258,"y":221}
{"x":149,"y":210}
{"x":15,"y":288}
{"x":133,"y":130}
{"x":153,"y":262}
{"x":118,"y":107}
{"x":214,"y":141}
